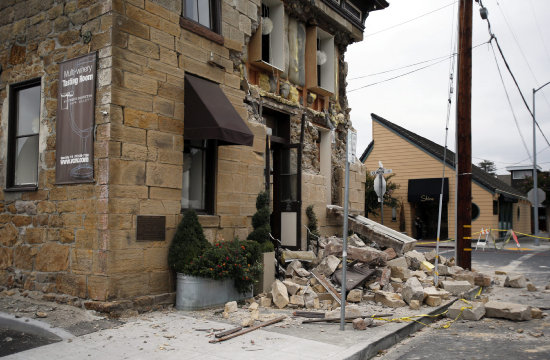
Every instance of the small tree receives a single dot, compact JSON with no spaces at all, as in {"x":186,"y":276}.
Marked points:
{"x":488,"y":166}
{"x":371,"y":199}
{"x":260,"y":223}
{"x":313,"y":233}
{"x":188,"y":242}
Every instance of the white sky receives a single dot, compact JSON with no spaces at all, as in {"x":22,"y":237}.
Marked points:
{"x":418,"y":102}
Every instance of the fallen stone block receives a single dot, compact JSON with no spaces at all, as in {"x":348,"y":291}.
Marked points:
{"x":362,"y":324}
{"x":456,"y":287}
{"x":385,"y":276}
{"x":389,"y":299}
{"x":506,"y":310}
{"x":368,"y":297}
{"x":398,"y":262}
{"x":328,"y":265}
{"x":312,"y":302}
{"x":531,"y":287}
{"x":289,"y":255}
{"x":292,"y":268}
{"x":355,"y":295}
{"x":419,"y":274}
{"x":230,"y":307}
{"x":415,"y":304}
{"x":248,"y":322}
{"x":515,"y":281}
{"x":397,"y":286}
{"x":465,"y":276}
{"x":412,"y":290}
{"x":442,"y":270}
{"x":351,"y":311}
{"x":433,"y":301}
{"x":265,"y":302}
{"x":536,"y":313}
{"x":280,"y":294}
{"x":390,"y":253}
{"x":500,"y":272}
{"x":253,"y":306}
{"x":367,"y":255}
{"x":291,"y":287}
{"x":474,"y":310}
{"x":414,"y":259}
{"x":297,"y":300}
{"x":301,"y":280}
{"x":433,"y":291}
{"x":375,"y":286}
{"x":454,"y":269}
{"x":400,"y":272}
{"x":482,"y":280}
{"x":355,"y":240}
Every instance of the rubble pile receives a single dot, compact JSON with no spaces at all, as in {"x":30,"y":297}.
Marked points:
{"x":374,"y":274}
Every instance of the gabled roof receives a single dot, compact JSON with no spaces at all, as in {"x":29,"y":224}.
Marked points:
{"x":478,"y":175}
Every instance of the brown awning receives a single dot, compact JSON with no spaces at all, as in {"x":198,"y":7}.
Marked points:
{"x":209,"y":114}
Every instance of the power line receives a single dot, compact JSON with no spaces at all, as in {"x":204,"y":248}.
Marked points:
{"x":412,"y":71}
{"x":493,"y":37}
{"x":408,"y":21}
{"x":445,"y":57}
{"x":510,"y":103}
{"x":538,"y":28}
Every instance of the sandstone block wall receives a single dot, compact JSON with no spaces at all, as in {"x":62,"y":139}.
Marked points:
{"x":49,"y":238}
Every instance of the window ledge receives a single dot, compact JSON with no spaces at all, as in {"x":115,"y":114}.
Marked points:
{"x":201,"y":30}
{"x":21,"y":188}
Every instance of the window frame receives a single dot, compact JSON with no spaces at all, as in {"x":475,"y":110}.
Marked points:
{"x":214,"y":32}
{"x":326,"y":73}
{"x":210,"y":149}
{"x":13,"y":112}
{"x":276,"y":61}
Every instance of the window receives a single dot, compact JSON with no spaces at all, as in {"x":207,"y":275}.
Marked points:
{"x":266,"y":46}
{"x":495,"y":207}
{"x":522,"y":174}
{"x":353,"y":10}
{"x":24,"y":125}
{"x":204,"y":12}
{"x":475,"y":211}
{"x":320,"y":61}
{"x":199,"y":171}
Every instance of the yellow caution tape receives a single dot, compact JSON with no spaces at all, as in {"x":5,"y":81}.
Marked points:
{"x":448,"y":325}
{"x":410,"y":318}
{"x":533,"y":236}
{"x":479,"y":292}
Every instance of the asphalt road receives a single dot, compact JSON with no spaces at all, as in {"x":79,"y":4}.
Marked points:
{"x":490,"y":338}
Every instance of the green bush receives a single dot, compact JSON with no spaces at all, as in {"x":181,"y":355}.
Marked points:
{"x":260,"y":223}
{"x":237,"y":260}
{"x":188,"y":242}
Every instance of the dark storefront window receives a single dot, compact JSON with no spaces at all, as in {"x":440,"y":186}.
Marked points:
{"x":198,"y":183}
{"x":24,"y":125}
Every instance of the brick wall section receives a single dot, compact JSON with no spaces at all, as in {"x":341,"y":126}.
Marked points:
{"x":49,"y":238}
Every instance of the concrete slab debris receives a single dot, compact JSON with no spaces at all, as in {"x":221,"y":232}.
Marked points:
{"x":506,"y":310}
{"x":472,"y":310}
{"x":515,"y":281}
{"x":456,"y":287}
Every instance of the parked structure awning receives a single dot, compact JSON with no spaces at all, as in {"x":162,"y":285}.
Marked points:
{"x":209,"y":114}
{"x":424,"y":190}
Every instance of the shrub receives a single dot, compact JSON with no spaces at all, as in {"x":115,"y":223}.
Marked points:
{"x":188,"y":242}
{"x":260,"y":223}
{"x":237,"y":260}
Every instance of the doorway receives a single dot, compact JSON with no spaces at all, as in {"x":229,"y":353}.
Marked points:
{"x":283,"y":162}
{"x":428,"y":212}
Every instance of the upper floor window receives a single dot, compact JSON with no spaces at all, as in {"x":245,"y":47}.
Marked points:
{"x":23,"y":129}
{"x":320,"y":61}
{"x":353,"y":10}
{"x":521,"y":174}
{"x":205,"y":12}
{"x":267,"y":44}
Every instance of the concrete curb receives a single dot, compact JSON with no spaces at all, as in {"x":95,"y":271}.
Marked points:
{"x":368,"y":350}
{"x":34,"y":327}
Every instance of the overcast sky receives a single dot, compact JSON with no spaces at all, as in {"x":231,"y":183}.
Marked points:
{"x":418,"y":101}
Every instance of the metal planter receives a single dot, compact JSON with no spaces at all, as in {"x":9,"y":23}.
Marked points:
{"x":195,"y":293}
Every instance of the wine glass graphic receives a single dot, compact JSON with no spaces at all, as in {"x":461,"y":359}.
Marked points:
{"x":83,"y":170}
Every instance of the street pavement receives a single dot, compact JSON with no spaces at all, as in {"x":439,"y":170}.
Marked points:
{"x":184,"y":335}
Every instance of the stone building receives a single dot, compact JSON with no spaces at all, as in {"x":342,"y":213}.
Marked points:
{"x":116,"y":115}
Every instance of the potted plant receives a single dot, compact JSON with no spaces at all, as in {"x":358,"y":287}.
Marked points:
{"x":210,"y":275}
{"x":260,"y":234}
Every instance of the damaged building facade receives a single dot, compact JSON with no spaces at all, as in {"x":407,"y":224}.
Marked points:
{"x":117,"y":115}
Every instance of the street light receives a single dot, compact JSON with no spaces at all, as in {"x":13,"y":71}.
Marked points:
{"x":535,"y":180}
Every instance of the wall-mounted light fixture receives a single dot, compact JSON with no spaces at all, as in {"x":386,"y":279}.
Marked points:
{"x":267,"y":26}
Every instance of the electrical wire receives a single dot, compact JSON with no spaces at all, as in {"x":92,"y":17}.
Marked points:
{"x":445,"y":57}
{"x":412,"y":71}
{"x":408,"y":21}
{"x":493,"y":37}
{"x":510,"y":103}
{"x":539,"y":30}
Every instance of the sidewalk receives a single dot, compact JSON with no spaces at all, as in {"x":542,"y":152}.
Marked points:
{"x":176,"y":334}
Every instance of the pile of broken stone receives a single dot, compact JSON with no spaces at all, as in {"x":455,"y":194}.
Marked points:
{"x":385,"y":278}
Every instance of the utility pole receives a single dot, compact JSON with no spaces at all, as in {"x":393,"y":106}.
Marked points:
{"x":464,"y":137}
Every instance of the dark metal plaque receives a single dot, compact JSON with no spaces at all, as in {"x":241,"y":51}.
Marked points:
{"x":151,"y":228}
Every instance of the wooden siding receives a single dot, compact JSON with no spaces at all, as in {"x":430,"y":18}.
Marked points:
{"x":408,"y":161}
